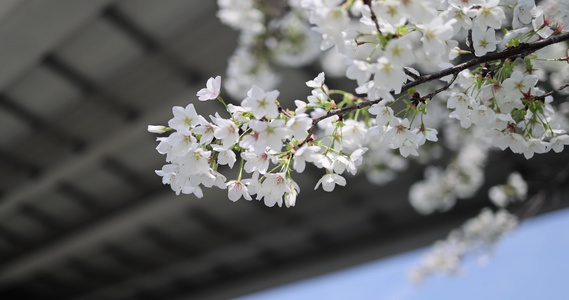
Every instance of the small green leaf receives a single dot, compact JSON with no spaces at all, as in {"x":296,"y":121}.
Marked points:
{"x":513,"y":43}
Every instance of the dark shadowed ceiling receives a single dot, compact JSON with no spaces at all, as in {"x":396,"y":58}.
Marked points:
{"x":82,"y":213}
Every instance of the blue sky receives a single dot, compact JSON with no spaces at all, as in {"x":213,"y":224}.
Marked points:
{"x":530,"y":263}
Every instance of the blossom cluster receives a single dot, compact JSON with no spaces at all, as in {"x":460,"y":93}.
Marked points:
{"x":463,"y":77}
{"x":514,"y":190}
{"x":393,"y":36}
{"x":459,"y":180}
{"x":268,"y":35}
{"x":384,"y":44}
{"x":271,"y":143}
{"x":478,"y":233}
{"x":396,"y":108}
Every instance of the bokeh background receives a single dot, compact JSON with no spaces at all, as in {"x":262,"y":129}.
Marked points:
{"x":84,"y":216}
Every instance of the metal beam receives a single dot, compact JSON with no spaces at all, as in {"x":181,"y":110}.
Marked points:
{"x":43,"y":24}
{"x":65,"y":170}
{"x":59,"y":66}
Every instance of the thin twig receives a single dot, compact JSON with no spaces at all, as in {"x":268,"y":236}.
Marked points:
{"x":410,"y":74}
{"x":542,"y":97}
{"x":284,"y":112}
{"x":431,"y":95}
{"x":373,"y":16}
{"x":492,"y":70}
{"x":470,"y":42}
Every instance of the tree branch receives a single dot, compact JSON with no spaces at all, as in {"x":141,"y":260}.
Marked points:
{"x":470,"y":42}
{"x":431,"y":95}
{"x":521,"y":50}
{"x":373,"y":16}
{"x":410,"y":74}
{"x":542,"y":97}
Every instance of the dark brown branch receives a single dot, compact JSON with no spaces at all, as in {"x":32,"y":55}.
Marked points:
{"x":284,"y":112}
{"x":410,"y":74}
{"x":373,"y":16}
{"x":492,"y":70}
{"x":521,"y":50}
{"x":431,"y":95}
{"x":542,"y":97}
{"x":470,"y":42}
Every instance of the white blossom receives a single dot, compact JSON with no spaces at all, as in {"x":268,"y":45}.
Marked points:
{"x":261,"y":103}
{"x":226,"y":156}
{"x":303,"y":155}
{"x":226,"y":131}
{"x":269,"y":134}
{"x":435,"y":34}
{"x":236,"y":189}
{"x":273,"y":189}
{"x":490,"y":14}
{"x":523,"y":13}
{"x":389,"y":76}
{"x":299,"y":125}
{"x":329,"y":182}
{"x":557,"y":143}
{"x":400,"y":52}
{"x":211,"y":91}
{"x":317,"y":82}
{"x":256,"y":162}
{"x":157,"y":128}
{"x":184,"y":119}
{"x":484,"y":40}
